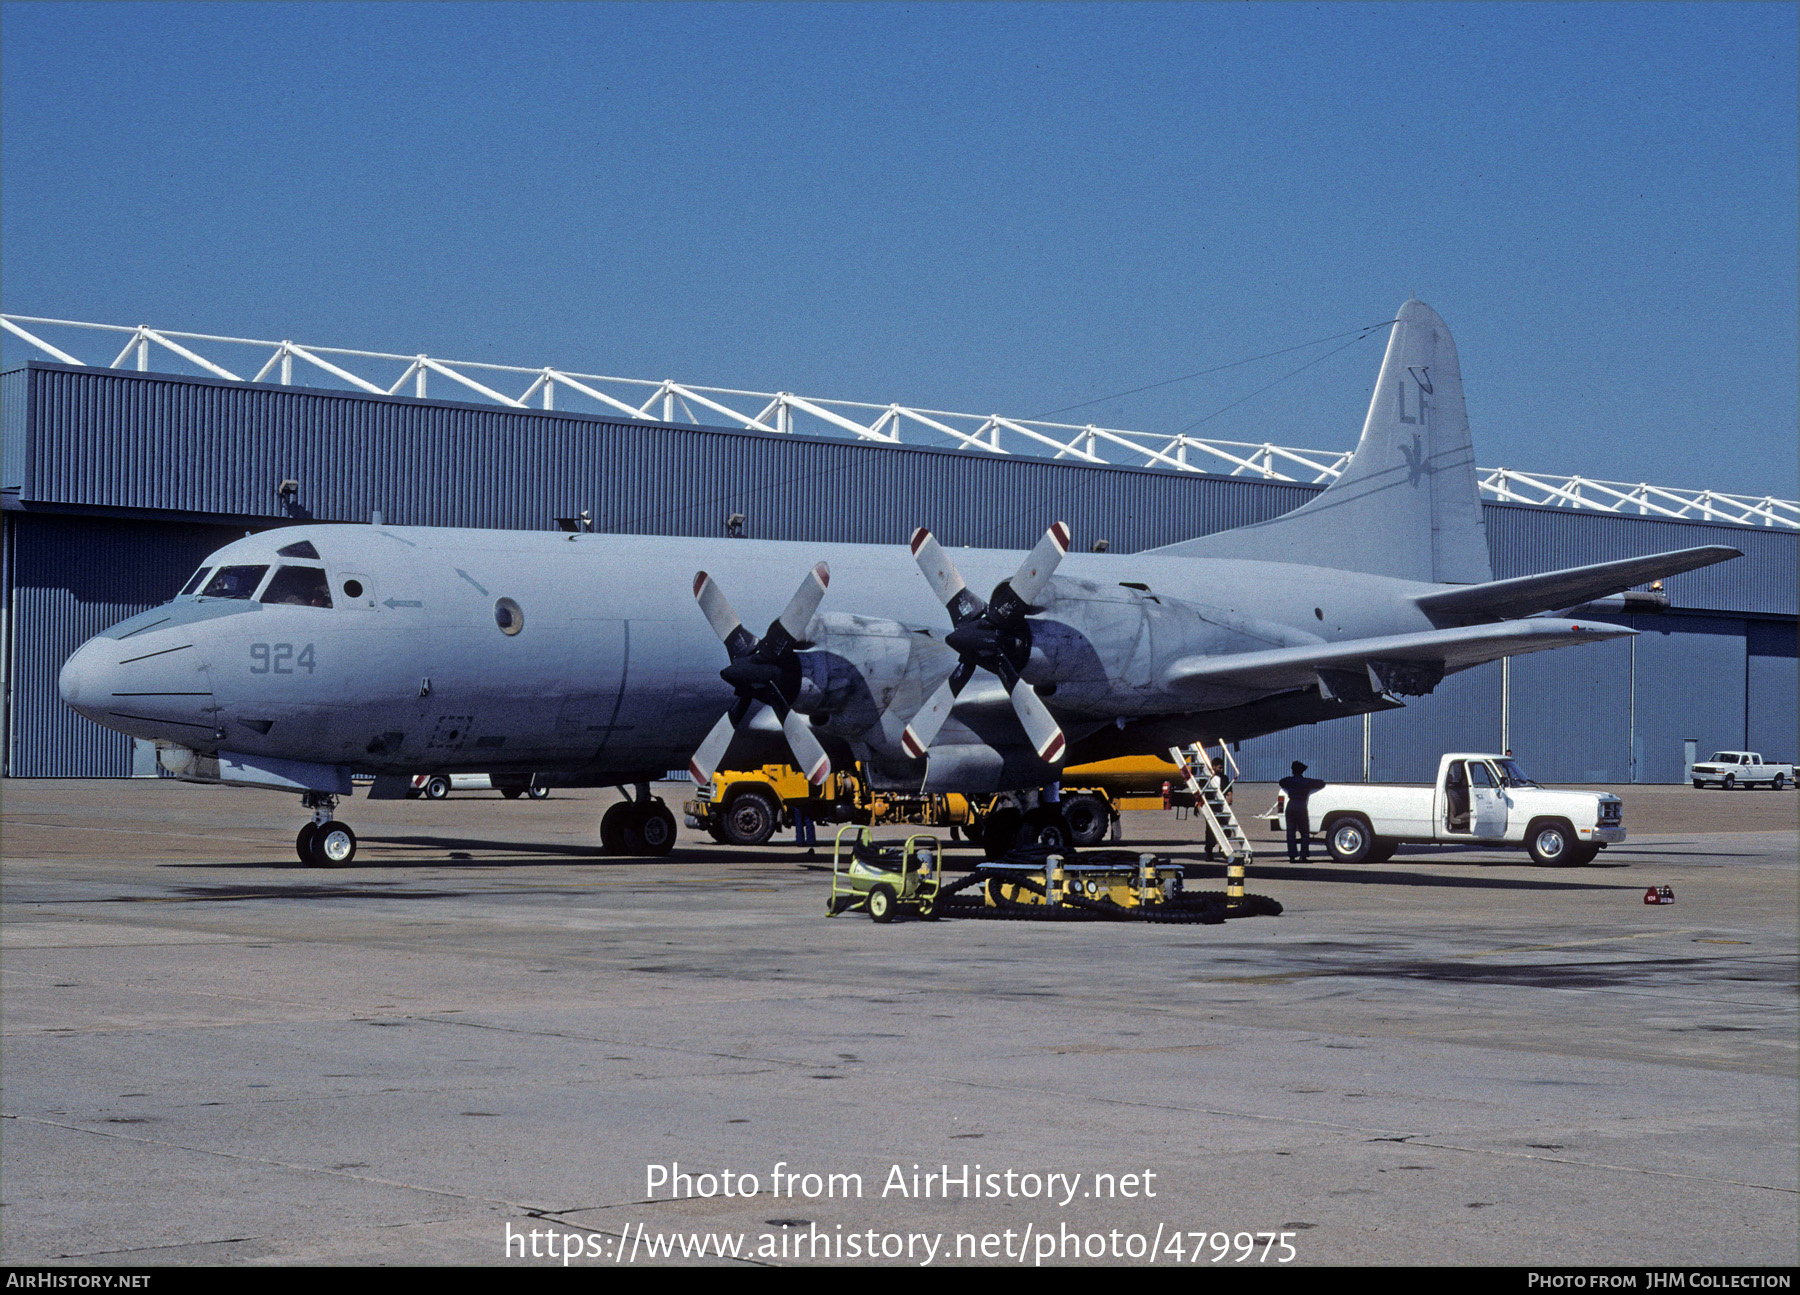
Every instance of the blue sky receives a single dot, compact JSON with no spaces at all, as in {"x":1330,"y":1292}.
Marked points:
{"x":1006,"y":208}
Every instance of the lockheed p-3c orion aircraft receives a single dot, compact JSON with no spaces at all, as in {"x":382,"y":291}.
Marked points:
{"x":298,"y":657}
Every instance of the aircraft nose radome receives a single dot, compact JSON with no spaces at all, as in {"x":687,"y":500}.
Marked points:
{"x":79,"y":684}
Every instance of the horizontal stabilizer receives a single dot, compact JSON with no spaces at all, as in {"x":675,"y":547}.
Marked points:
{"x":1455,"y":649}
{"x":1552,"y":589}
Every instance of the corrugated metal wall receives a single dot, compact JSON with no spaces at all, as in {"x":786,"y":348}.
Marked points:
{"x":103,"y":440}
{"x":74,"y":577}
{"x":1524,"y":540}
{"x":1688,"y":681}
{"x":107,"y":439}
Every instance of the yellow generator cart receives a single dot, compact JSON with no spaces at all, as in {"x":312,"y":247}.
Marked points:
{"x":1036,"y":884}
{"x":884,"y":879}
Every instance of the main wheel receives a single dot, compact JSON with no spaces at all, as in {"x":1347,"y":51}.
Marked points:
{"x":1349,"y":840}
{"x":656,"y":828}
{"x":333,"y":845}
{"x":612,"y":827}
{"x":539,"y":793}
{"x":1552,"y":844}
{"x":437,"y":786}
{"x":750,"y":819}
{"x":999,"y":832}
{"x":1045,"y":825}
{"x":511,"y":793}
{"x":881,"y":904}
{"x":303,"y":843}
{"x":1088,"y":819}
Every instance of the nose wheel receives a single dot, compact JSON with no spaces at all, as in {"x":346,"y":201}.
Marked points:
{"x":324,"y":842}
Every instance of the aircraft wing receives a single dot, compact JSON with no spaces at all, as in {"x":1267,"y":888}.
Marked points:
{"x":1455,"y":649}
{"x":1567,"y":588}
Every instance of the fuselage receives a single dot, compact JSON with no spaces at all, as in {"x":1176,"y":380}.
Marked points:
{"x":396,"y":649}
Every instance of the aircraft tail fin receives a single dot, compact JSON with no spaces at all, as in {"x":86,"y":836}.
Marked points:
{"x":1407,"y":504}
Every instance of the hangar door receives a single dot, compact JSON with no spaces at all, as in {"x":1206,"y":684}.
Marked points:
{"x":71,"y":578}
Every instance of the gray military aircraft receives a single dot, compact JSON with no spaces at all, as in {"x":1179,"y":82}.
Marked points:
{"x":297,"y":657}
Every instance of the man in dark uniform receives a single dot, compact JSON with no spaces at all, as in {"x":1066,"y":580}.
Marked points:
{"x":1298,"y":788}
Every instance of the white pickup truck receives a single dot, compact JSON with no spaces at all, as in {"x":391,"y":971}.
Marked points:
{"x":1732,"y":769}
{"x":1477,"y":799}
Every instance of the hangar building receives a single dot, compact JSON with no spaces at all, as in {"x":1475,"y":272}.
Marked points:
{"x":118,"y":482}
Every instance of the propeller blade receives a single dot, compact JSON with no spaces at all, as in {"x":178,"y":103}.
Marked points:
{"x":738,"y":641}
{"x":1040,"y":563}
{"x":809,"y":756}
{"x":712,"y":750}
{"x":1041,"y":728}
{"x":945,"y":581}
{"x":922,"y":728}
{"x":798,"y":613}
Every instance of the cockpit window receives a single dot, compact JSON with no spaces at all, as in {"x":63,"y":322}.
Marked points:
{"x":234,"y":582}
{"x":299,"y":587}
{"x":303,"y":549}
{"x":194,"y":583}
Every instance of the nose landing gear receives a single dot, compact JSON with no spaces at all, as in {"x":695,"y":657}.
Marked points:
{"x":324,"y":842}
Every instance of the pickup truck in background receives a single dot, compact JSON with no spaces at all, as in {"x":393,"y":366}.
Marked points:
{"x":436,"y":786}
{"x":1477,"y":800}
{"x":1733,"y":769}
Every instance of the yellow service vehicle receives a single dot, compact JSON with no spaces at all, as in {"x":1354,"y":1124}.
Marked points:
{"x":748,"y":806}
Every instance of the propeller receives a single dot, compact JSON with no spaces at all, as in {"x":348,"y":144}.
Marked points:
{"x":991,"y":636}
{"x":763,"y":672}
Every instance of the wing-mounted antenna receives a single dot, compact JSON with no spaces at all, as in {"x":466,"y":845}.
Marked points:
{"x":993,"y":636}
{"x":763,"y":672}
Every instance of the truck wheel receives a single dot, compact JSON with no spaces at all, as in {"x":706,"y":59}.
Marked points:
{"x":1350,"y":840}
{"x":1088,"y":819}
{"x":1730,"y":782}
{"x":750,"y":819}
{"x":1780,"y":781}
{"x":1552,"y":843}
{"x":437,"y":786}
{"x":1698,"y":784}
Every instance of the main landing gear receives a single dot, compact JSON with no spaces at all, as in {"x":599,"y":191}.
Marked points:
{"x":324,"y":842}
{"x":638,"y":826}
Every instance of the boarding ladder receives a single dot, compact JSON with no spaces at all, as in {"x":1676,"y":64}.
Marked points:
{"x":1209,"y":801}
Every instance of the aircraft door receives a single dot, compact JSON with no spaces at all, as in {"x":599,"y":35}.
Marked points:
{"x":1487,"y":811}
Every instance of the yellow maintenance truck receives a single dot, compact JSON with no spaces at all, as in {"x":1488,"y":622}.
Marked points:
{"x":748,"y":806}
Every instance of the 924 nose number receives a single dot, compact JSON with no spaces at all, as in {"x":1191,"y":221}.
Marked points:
{"x":280,"y":658}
